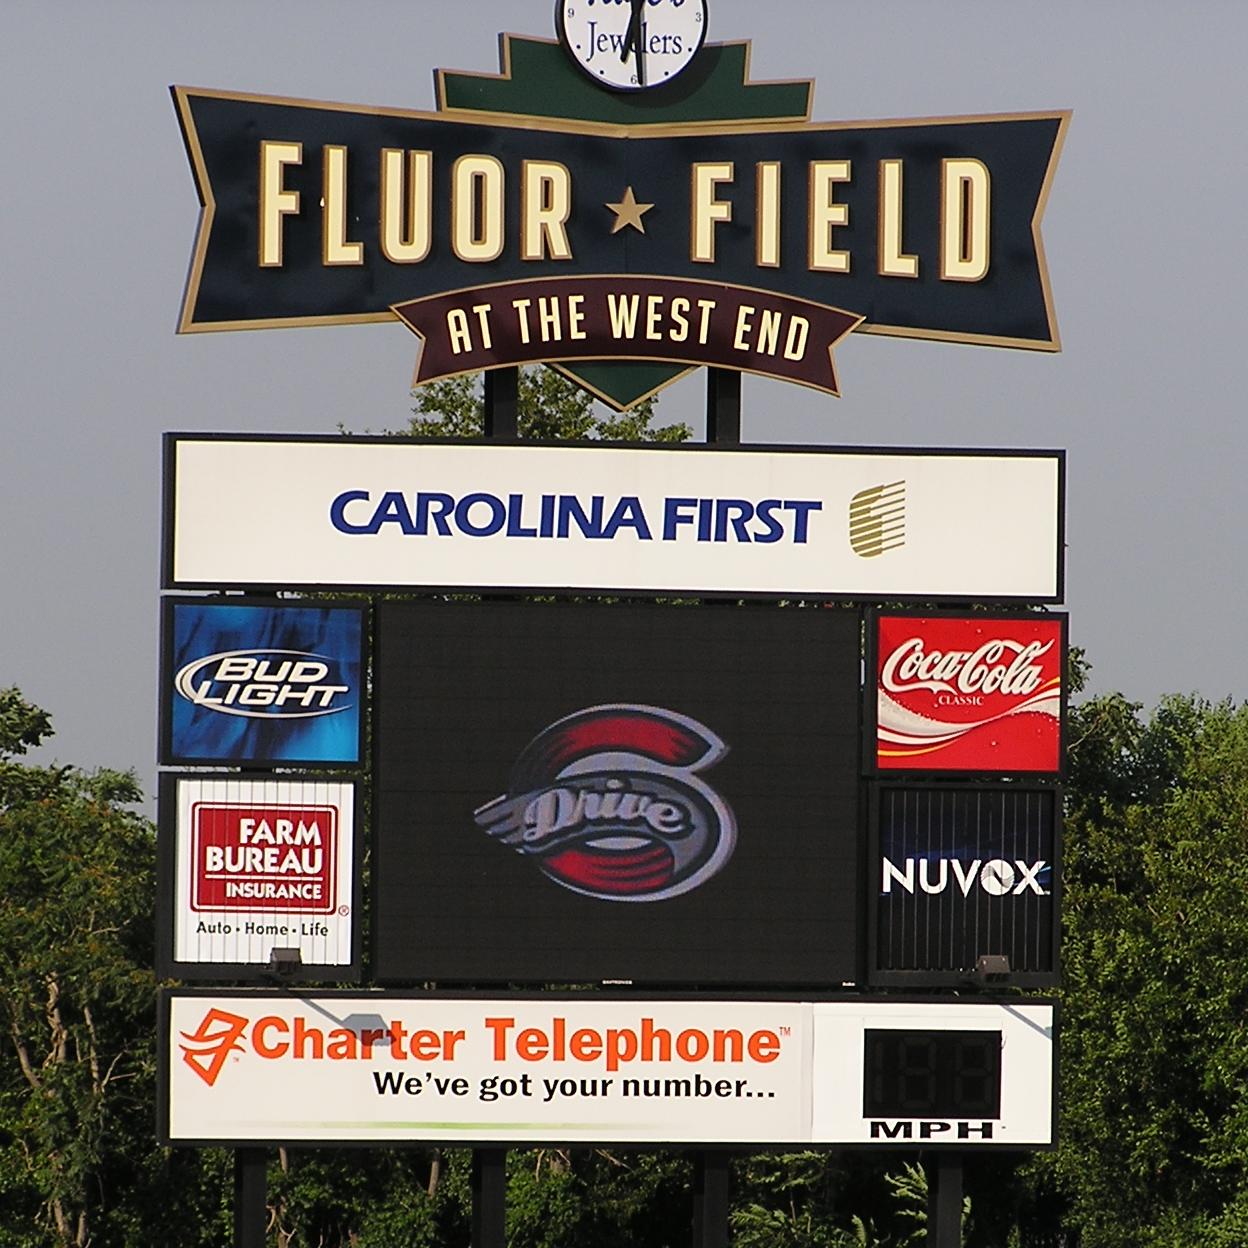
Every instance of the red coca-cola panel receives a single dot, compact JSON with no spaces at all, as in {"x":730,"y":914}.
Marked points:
{"x":264,"y":857}
{"x":975,"y":693}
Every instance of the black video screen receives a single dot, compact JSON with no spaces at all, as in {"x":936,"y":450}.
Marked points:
{"x":655,"y":794}
{"x":931,"y":1074}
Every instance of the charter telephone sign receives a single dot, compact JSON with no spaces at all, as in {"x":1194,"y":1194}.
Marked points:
{"x":252,"y":512}
{"x":260,"y":1067}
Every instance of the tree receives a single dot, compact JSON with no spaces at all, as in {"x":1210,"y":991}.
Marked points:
{"x":1154,"y":1052}
{"x":550,"y":406}
{"x":76,"y":989}
{"x":79,"y":1164}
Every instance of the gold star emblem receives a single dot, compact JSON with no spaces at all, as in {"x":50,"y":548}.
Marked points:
{"x":629,"y":212}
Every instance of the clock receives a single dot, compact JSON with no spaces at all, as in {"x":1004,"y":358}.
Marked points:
{"x":629,"y":45}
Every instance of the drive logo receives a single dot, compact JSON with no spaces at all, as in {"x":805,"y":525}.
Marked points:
{"x":210,"y":1045}
{"x":264,"y":684}
{"x":607,"y":802}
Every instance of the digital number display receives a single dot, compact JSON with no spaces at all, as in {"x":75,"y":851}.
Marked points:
{"x":931,"y":1074}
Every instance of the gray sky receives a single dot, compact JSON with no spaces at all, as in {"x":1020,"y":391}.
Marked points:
{"x":1144,"y":237}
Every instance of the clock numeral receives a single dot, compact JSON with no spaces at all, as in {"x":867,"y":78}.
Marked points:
{"x":697,"y":17}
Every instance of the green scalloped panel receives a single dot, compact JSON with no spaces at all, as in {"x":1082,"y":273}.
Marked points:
{"x":545,"y":83}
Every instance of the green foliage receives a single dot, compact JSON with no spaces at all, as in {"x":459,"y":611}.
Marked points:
{"x":76,"y":988}
{"x":374,"y":1199}
{"x":786,"y":1200}
{"x":79,"y":1163}
{"x":550,"y":406}
{"x":1154,"y":1130}
{"x":22,"y":726}
{"x":558,"y":1198}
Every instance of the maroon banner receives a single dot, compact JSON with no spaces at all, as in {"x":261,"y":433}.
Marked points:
{"x":637,"y":318}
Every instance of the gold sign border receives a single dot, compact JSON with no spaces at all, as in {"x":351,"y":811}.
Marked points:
{"x":183,"y":95}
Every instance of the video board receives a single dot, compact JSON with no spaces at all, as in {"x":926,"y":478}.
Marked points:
{"x":650,"y":793}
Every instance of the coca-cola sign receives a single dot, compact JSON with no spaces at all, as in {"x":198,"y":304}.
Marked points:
{"x":977,"y":693}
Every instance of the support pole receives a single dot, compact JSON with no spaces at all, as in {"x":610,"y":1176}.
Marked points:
{"x":723,"y":407}
{"x":489,"y":1198}
{"x":502,"y":403}
{"x":944,"y":1200}
{"x":710,"y":1199}
{"x":711,"y":1169}
{"x":251,"y":1214}
{"x":489,"y":1165}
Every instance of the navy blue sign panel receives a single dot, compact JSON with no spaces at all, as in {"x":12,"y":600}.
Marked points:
{"x":260,"y":682}
{"x":568,"y":793}
{"x":959,"y":873}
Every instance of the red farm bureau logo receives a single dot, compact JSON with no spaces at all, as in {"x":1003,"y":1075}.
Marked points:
{"x":264,"y":857}
{"x":208,"y":1047}
{"x":969,"y":694}
{"x":607,"y":802}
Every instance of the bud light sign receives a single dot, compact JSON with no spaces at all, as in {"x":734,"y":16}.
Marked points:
{"x":960,"y":873}
{"x":567,"y":792}
{"x":974,"y":694}
{"x":266,"y":683}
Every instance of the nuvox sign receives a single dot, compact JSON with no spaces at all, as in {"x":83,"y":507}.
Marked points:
{"x":502,"y":238}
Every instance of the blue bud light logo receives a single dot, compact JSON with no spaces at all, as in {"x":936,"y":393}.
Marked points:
{"x":265,"y":684}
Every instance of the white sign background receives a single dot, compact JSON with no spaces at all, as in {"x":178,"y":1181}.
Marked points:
{"x":223,"y":1088}
{"x":1026,"y":1066}
{"x":249,"y":513}
{"x":247,"y":936}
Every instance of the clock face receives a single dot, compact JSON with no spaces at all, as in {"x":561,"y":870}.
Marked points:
{"x":596,"y":34}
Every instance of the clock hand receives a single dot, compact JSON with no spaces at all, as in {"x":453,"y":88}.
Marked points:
{"x":633,"y":41}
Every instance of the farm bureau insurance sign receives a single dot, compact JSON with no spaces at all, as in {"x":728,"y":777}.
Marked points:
{"x":749,"y":244}
{"x":883,"y":524}
{"x":257,"y":863}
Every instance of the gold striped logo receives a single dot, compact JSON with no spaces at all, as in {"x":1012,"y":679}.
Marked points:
{"x":877,"y":519}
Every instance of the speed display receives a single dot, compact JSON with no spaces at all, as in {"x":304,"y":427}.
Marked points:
{"x":931,"y":1074}
{"x":968,"y":1073}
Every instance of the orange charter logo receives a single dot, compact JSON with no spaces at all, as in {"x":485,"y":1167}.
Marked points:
{"x":208,"y":1047}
